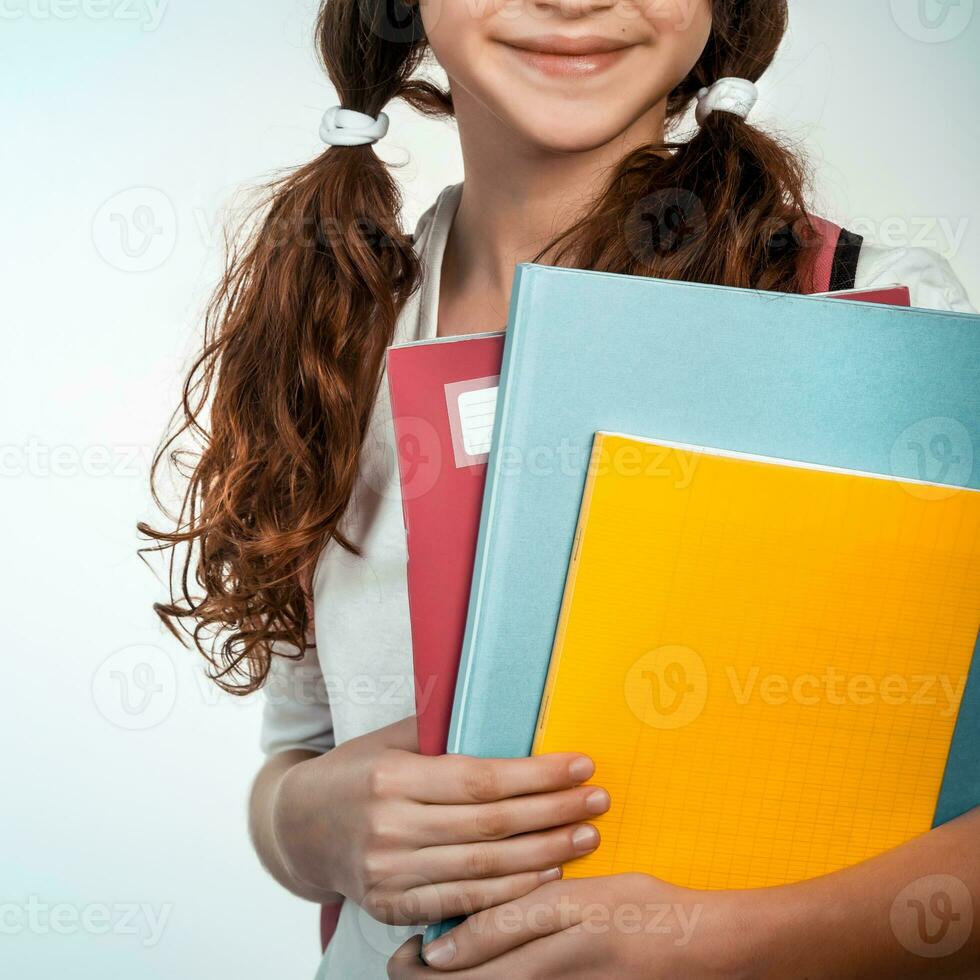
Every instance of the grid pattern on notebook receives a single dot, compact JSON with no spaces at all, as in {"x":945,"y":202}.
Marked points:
{"x":765,"y":661}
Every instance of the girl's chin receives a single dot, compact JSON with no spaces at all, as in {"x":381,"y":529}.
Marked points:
{"x":565,"y":125}
{"x":571,"y":138}
{"x":559,"y":125}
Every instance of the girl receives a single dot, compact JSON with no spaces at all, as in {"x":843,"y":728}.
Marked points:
{"x":292,"y":523}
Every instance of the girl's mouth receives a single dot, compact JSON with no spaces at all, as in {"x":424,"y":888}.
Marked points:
{"x":561,"y":56}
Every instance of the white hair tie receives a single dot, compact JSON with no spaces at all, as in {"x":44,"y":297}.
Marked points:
{"x":345,"y":127}
{"x":735,"y":95}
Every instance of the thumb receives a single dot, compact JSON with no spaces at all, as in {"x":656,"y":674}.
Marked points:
{"x":407,"y":961}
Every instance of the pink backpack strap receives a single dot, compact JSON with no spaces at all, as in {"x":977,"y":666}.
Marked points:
{"x":329,"y":916}
{"x":833,"y":257}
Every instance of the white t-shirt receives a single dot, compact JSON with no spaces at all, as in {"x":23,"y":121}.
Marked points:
{"x":359,"y":677}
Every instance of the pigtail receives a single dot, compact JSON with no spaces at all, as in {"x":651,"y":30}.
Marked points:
{"x":279,"y":400}
{"x":746,"y":192}
{"x":726,"y":206}
{"x":277,"y":405}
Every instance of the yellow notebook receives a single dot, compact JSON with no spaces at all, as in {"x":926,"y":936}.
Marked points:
{"x":765,"y":660}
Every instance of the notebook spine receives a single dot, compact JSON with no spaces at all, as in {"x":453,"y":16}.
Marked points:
{"x":566,"y":603}
{"x":394,"y":401}
{"x":462,"y":722}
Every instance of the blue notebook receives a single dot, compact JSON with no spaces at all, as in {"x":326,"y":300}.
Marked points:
{"x":869,"y":388}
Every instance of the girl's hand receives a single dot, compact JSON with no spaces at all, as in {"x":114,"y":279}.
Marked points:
{"x":627,"y":925}
{"x":416,"y":839}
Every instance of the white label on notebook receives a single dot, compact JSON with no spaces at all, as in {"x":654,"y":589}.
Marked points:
{"x":472,"y":405}
{"x":476,"y":414}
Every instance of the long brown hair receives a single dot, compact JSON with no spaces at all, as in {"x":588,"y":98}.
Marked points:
{"x":278,"y":401}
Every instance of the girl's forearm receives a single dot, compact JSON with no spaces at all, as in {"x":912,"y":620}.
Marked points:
{"x":261,"y":826}
{"x":907,"y":913}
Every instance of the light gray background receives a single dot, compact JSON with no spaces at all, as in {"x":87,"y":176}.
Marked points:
{"x":128,"y":127}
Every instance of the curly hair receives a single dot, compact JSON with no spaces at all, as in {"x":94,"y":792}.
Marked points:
{"x":278,"y":401}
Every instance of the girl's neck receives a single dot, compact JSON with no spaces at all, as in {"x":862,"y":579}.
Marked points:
{"x":516,"y":198}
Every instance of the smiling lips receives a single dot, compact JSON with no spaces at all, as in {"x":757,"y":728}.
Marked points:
{"x":569,"y":57}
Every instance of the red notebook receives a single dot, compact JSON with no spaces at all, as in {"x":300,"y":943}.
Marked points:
{"x":443,"y":397}
{"x":886,"y":295}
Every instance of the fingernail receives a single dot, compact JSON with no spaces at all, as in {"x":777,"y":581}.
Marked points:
{"x":597,"y":802}
{"x":585,"y":838}
{"x":439,"y":953}
{"x":581,"y":768}
{"x":553,"y":874}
